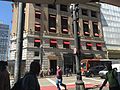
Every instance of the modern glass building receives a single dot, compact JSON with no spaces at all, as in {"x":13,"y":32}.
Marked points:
{"x":110,"y":16}
{"x":4,"y":41}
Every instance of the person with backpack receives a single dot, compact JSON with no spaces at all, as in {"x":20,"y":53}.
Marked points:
{"x":111,"y":77}
{"x":4,"y":76}
{"x":59,"y":78}
{"x":29,"y":81}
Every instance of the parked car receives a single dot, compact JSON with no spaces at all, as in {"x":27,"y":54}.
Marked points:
{"x":94,"y":71}
{"x":103,"y":72}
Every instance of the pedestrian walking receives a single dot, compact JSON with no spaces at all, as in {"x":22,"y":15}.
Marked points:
{"x":66,"y":71}
{"x":70,"y":72}
{"x":4,"y":76}
{"x":59,"y":78}
{"x":49,"y":72}
{"x":29,"y":81}
{"x":111,"y":77}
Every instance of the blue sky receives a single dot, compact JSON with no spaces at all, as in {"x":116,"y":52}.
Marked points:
{"x":6,"y":13}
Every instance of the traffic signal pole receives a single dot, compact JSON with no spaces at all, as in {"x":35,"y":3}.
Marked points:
{"x":75,"y":14}
{"x":19,"y":45}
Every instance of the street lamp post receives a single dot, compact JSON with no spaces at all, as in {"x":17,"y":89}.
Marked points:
{"x":19,"y":45}
{"x":75,"y":15}
{"x":41,"y":54}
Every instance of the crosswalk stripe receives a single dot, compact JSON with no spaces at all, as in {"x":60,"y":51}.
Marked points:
{"x":53,"y":82}
{"x":93,"y":79}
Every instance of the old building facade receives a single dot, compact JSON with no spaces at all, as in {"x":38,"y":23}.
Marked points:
{"x":48,"y":35}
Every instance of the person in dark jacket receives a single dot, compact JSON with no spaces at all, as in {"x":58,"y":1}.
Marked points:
{"x":111,"y":77}
{"x":4,"y":76}
{"x":30,"y":81}
{"x":59,"y":78}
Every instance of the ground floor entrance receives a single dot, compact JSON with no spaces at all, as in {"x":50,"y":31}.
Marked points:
{"x":69,"y":62}
{"x":53,"y":65}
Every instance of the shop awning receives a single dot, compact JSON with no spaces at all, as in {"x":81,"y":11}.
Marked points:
{"x":52,"y":28}
{"x":37,"y":12}
{"x":96,"y":34}
{"x":65,"y":30}
{"x":85,"y":22}
{"x":37,"y":24}
{"x":53,"y":16}
{"x":99,"y":45}
{"x":89,"y":44}
{"x":53,"y":41}
{"x":87,"y":33}
{"x":37,"y":40}
{"x":66,"y":42}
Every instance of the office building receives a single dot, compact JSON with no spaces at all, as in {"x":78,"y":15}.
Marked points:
{"x":48,"y":35}
{"x":110,"y":16}
{"x":4,"y":41}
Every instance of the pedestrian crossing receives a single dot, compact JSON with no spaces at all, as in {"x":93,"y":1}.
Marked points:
{"x":50,"y":83}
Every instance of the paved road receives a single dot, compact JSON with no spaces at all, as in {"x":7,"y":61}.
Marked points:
{"x":48,"y":83}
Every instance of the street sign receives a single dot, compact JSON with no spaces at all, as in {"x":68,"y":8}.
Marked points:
{"x":113,"y":2}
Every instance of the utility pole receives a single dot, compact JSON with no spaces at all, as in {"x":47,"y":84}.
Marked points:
{"x":21,"y":20}
{"x":75,"y":15}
